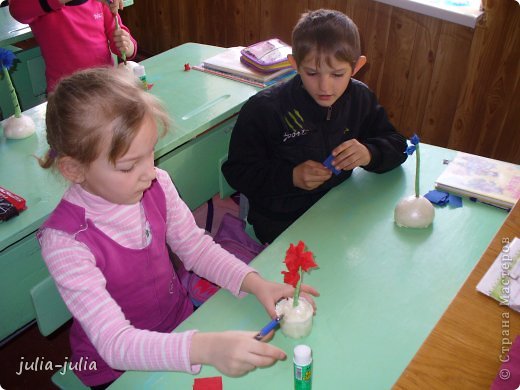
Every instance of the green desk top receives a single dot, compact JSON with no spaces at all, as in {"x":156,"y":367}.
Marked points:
{"x":12,"y":31}
{"x":382,"y":288}
{"x":196,"y":101}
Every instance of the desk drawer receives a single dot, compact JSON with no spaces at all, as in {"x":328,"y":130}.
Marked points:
{"x":21,"y":268}
{"x":195,"y":166}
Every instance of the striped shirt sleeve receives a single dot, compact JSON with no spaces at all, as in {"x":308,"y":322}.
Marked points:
{"x":82,"y":287}
{"x":195,"y":248}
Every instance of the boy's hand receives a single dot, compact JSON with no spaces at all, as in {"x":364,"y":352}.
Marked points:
{"x":310,"y":175}
{"x":350,"y":154}
{"x":268,"y":293}
{"x":233,"y":353}
{"x":123,"y":42}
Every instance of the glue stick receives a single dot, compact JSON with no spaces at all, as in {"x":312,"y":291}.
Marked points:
{"x":140,"y":73}
{"x":302,"y":367}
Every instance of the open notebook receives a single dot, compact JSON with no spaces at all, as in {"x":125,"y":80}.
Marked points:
{"x":502,"y":280}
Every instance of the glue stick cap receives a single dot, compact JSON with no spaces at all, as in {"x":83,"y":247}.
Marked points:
{"x":139,"y":71}
{"x":302,"y":355}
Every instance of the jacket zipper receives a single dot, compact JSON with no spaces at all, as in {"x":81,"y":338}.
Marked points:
{"x":329,"y":112}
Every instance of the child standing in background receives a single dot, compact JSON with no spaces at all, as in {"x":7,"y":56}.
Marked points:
{"x":105,"y":244}
{"x":284,"y":134}
{"x":74,"y":34}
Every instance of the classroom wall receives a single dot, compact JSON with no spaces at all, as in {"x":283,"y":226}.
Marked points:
{"x":455,"y":86}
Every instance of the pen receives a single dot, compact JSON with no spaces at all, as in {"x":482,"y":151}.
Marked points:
{"x":269,"y":327}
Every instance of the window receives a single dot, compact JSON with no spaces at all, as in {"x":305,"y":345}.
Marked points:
{"x":464,"y":12}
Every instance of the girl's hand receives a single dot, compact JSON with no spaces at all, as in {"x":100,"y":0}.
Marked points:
{"x":310,"y":175}
{"x":115,"y":5}
{"x":233,"y":353}
{"x":350,"y":154}
{"x":268,"y":293}
{"x":123,"y":42}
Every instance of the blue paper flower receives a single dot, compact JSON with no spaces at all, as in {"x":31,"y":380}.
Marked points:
{"x":410,"y":149}
{"x":7,"y":58}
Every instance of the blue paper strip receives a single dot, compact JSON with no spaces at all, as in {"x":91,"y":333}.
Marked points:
{"x":439,"y":198}
{"x":455,"y":201}
{"x":328,"y":164}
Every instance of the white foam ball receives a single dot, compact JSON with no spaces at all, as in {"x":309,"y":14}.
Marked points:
{"x":18,"y":128}
{"x":130,"y":65}
{"x":414,"y":212}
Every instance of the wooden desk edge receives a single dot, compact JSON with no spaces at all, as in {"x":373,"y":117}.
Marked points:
{"x":465,"y":347}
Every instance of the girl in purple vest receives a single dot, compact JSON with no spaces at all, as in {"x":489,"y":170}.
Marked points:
{"x":105,"y":244}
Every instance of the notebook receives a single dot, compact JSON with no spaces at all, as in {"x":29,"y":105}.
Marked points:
{"x":489,"y":181}
{"x":228,"y":62}
{"x":502,"y":280}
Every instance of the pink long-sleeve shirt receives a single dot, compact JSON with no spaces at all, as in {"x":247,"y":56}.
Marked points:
{"x":71,"y":37}
{"x":82,"y":285}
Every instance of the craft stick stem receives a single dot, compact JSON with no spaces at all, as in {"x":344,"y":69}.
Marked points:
{"x":417,"y":170}
{"x":12,"y":93}
{"x":118,"y":27}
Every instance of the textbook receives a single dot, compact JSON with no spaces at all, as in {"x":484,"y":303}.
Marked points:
{"x":487,"y":180}
{"x":228,"y":64}
{"x":502,"y":279}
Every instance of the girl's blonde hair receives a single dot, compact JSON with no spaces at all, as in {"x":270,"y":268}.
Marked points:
{"x":90,"y":103}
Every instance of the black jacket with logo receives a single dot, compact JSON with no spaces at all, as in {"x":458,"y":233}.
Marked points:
{"x":283,"y":126}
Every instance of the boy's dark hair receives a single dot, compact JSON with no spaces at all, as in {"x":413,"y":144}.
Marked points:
{"x":330,"y":33}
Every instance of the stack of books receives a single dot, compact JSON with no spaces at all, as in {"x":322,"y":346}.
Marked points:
{"x":229,"y":65}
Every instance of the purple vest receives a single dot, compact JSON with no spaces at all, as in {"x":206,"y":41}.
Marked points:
{"x":141,"y":281}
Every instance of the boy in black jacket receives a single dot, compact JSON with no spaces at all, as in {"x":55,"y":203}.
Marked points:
{"x":284,"y":134}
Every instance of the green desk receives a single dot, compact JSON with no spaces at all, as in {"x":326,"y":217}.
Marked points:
{"x":28,"y":73}
{"x":202,"y":108}
{"x":12,"y":31}
{"x":383,"y":288}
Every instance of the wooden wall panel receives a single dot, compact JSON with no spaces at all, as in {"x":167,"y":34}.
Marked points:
{"x":277,"y":18}
{"x":419,"y":79}
{"x":487,"y":87}
{"x":397,"y":63}
{"x":508,"y":146}
{"x":252,"y":21}
{"x":456,"y":86}
{"x":501,"y":88}
{"x":449,"y":73}
{"x":375,"y":35}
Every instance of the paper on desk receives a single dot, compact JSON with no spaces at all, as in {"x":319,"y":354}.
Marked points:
{"x":502,"y":280}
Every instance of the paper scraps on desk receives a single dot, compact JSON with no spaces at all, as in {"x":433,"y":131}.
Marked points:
{"x":211,"y":383}
{"x":508,"y":377}
{"x":441,"y":198}
{"x":502,"y":279}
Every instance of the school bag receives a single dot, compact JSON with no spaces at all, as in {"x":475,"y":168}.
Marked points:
{"x":232,"y":237}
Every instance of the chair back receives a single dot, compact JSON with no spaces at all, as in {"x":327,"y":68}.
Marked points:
{"x":51,"y":311}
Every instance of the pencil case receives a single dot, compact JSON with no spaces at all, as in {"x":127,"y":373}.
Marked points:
{"x":10,"y":204}
{"x":267,"y":56}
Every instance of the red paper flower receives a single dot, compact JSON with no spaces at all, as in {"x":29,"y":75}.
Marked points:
{"x":291,"y":278}
{"x":297,"y":257}
{"x":298,"y":260}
